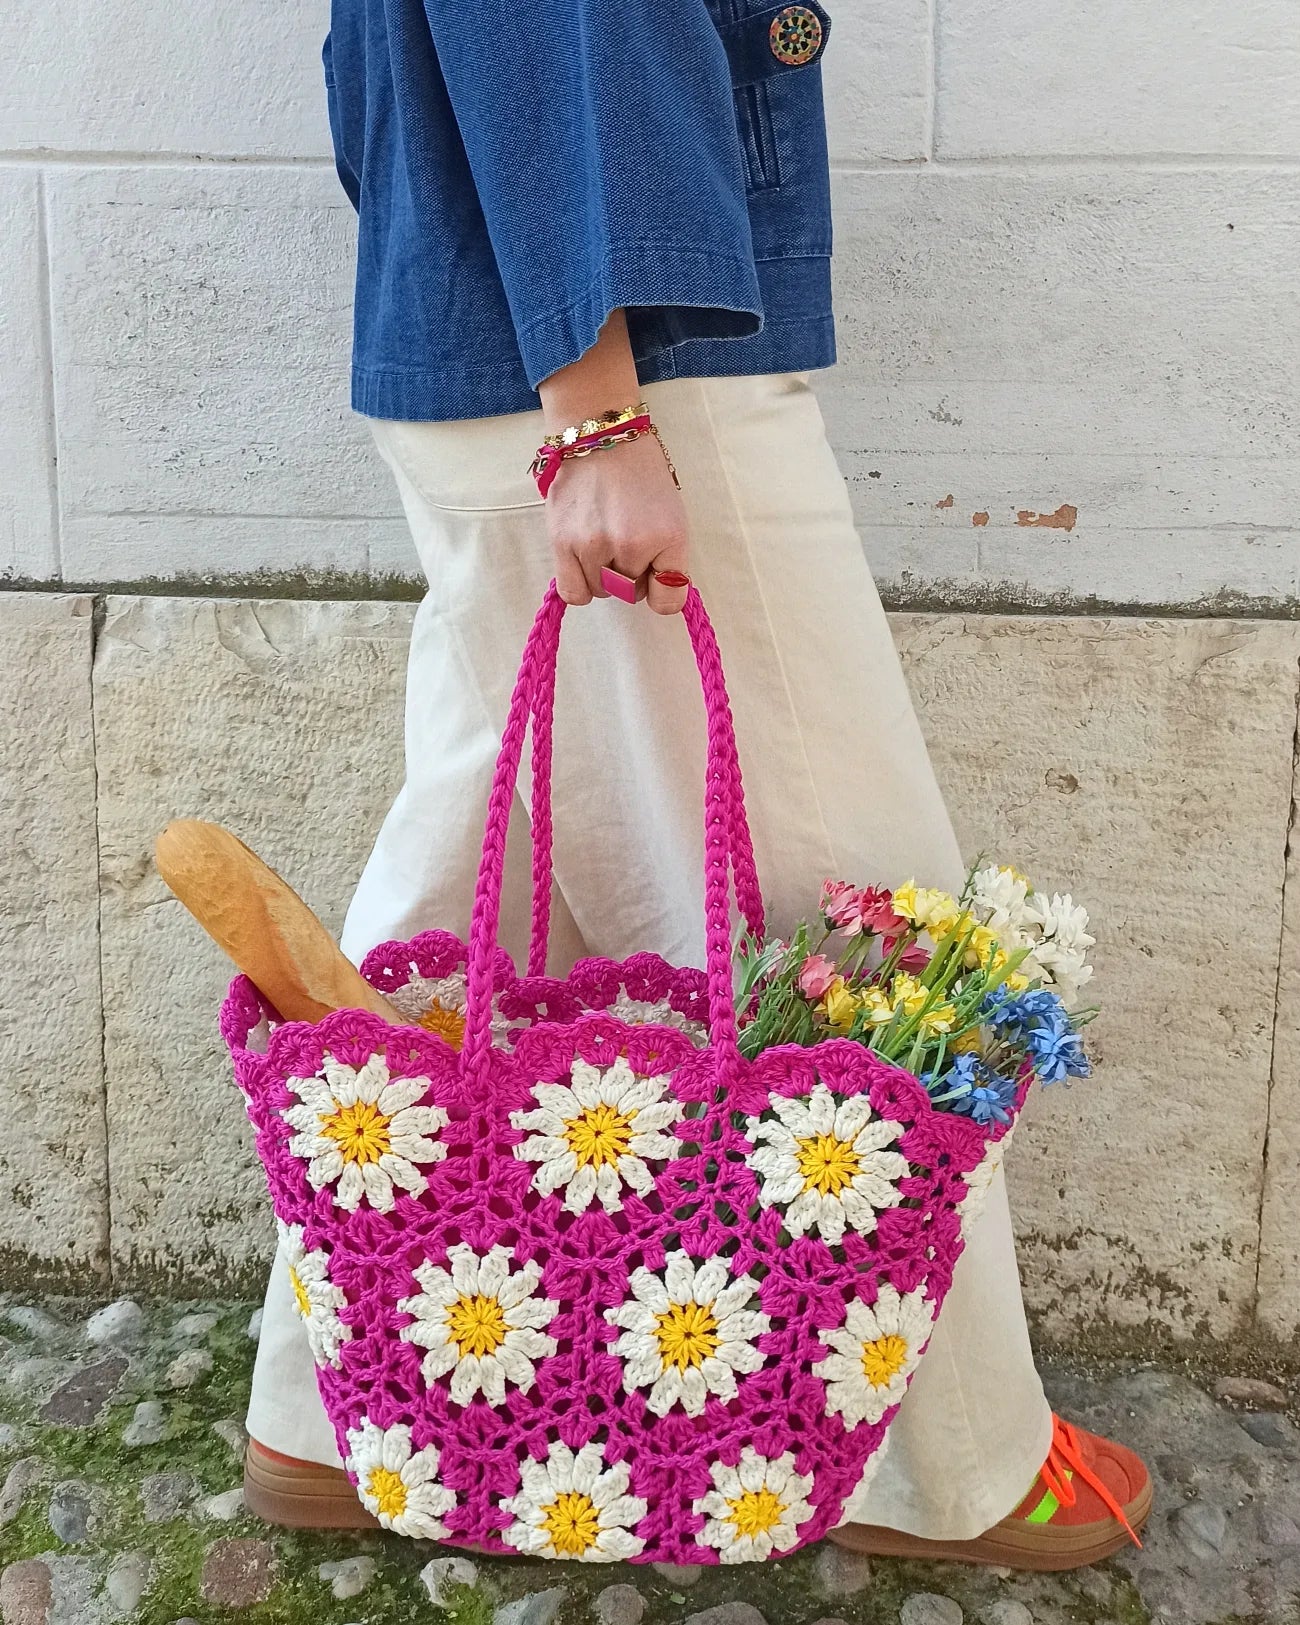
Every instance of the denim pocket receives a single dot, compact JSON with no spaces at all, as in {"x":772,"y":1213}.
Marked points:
{"x":757,"y":137}
{"x":347,"y":154}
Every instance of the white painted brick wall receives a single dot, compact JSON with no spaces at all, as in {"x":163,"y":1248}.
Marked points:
{"x":1066,"y":240}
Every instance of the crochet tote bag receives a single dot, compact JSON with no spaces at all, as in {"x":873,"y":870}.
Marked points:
{"x":580,"y":1281}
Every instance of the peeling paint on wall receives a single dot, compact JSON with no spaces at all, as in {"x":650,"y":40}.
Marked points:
{"x":1062,"y":519}
{"x":945,"y":502}
{"x":980,"y":518}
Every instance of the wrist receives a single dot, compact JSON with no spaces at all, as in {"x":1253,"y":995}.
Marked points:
{"x":601,"y":380}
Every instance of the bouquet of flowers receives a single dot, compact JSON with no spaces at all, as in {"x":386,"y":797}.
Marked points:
{"x":975,"y":995}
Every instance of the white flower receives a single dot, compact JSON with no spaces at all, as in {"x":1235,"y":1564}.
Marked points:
{"x":593,"y":1135}
{"x":364,"y":1132}
{"x":873,"y":1354}
{"x":436,"y":1003}
{"x":568,"y":1507}
{"x":315,"y":1295}
{"x":754,"y":1508}
{"x":641,"y":1013}
{"x":1062,"y":970}
{"x":439,"y":1004}
{"x":827,"y":1163}
{"x":998,"y":900}
{"x":1061,"y":919}
{"x":399,"y":1487}
{"x":687,"y":1333}
{"x":480,"y":1322}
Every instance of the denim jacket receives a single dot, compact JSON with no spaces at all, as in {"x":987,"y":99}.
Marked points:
{"x":521,"y":171}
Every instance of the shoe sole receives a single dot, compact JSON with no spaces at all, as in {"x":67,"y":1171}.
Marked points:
{"x":309,"y":1495}
{"x":301,"y":1495}
{"x":1033,"y":1548}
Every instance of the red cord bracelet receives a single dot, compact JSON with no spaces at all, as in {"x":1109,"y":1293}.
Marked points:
{"x":546,"y":464}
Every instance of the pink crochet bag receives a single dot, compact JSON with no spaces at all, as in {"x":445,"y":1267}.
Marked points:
{"x":593,"y":1285}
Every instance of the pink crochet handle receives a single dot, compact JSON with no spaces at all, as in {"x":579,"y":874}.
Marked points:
{"x":749,"y":898}
{"x":727,"y":841}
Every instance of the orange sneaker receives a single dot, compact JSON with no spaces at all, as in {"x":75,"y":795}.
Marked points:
{"x":1091,"y":1496}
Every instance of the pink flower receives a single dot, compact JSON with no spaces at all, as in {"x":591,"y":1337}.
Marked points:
{"x":816,"y":976}
{"x":877,"y":913}
{"x":914,"y":958}
{"x":839,"y":901}
{"x":856,"y":912}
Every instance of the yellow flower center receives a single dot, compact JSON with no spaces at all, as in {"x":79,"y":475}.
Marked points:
{"x":756,"y":1511}
{"x":688,"y":1334}
{"x":360,"y":1131}
{"x":600,"y":1135}
{"x":883,"y":1359}
{"x":300,"y":1293}
{"x":827,"y":1164}
{"x":477,"y":1325}
{"x":388,"y":1491}
{"x":448,"y":1024}
{"x":572,"y":1522}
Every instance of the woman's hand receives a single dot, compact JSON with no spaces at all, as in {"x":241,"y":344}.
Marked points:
{"x":620,"y":506}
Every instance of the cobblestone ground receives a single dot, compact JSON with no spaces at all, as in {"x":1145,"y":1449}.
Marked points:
{"x":120,"y":1442}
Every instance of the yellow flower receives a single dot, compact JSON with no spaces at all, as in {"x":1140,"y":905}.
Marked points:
{"x":971,"y":1040}
{"x":909,"y":993}
{"x":984,"y":949}
{"x":925,"y":906}
{"x":938,"y":1020}
{"x":840,"y":1005}
{"x":912,"y":997}
{"x":878,"y":1005}
{"x":1017,"y":981}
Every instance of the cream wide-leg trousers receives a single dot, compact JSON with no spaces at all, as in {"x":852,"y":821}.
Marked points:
{"x":839,"y":784}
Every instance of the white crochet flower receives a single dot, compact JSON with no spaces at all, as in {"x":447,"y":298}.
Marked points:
{"x":568,"y":1507}
{"x":480,"y":1322}
{"x":687,"y":1333}
{"x":827,"y":1163}
{"x":873,"y":1354}
{"x":977,"y":1184}
{"x":436,"y":1003}
{"x":754,"y":1508}
{"x":398,"y":1486}
{"x":642,"y":1013}
{"x":316,"y":1297}
{"x":362,"y":1132}
{"x":594,"y":1135}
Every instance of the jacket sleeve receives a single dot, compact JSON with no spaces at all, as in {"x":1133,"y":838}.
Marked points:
{"x":602,"y":138}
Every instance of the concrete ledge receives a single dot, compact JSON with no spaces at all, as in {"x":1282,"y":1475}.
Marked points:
{"x":1147,"y":764}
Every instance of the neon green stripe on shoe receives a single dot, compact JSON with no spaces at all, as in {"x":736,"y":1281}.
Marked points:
{"x":1047,"y":1508}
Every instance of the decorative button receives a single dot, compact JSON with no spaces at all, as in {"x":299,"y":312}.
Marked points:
{"x":795,"y":35}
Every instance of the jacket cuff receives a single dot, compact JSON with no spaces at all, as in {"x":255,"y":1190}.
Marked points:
{"x":672,"y":294}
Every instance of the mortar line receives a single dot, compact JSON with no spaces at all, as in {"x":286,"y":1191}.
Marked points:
{"x":45,"y":274}
{"x":1198,"y":163}
{"x":98,"y":610}
{"x":970,"y":164}
{"x":931,"y":78}
{"x":71,"y":156}
{"x":1288,"y":852}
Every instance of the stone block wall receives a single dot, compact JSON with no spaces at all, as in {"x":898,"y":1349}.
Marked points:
{"x":1065,"y":236}
{"x":1149,"y":763}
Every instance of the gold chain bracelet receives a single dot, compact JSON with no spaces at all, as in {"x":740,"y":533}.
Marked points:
{"x":607,"y":420}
